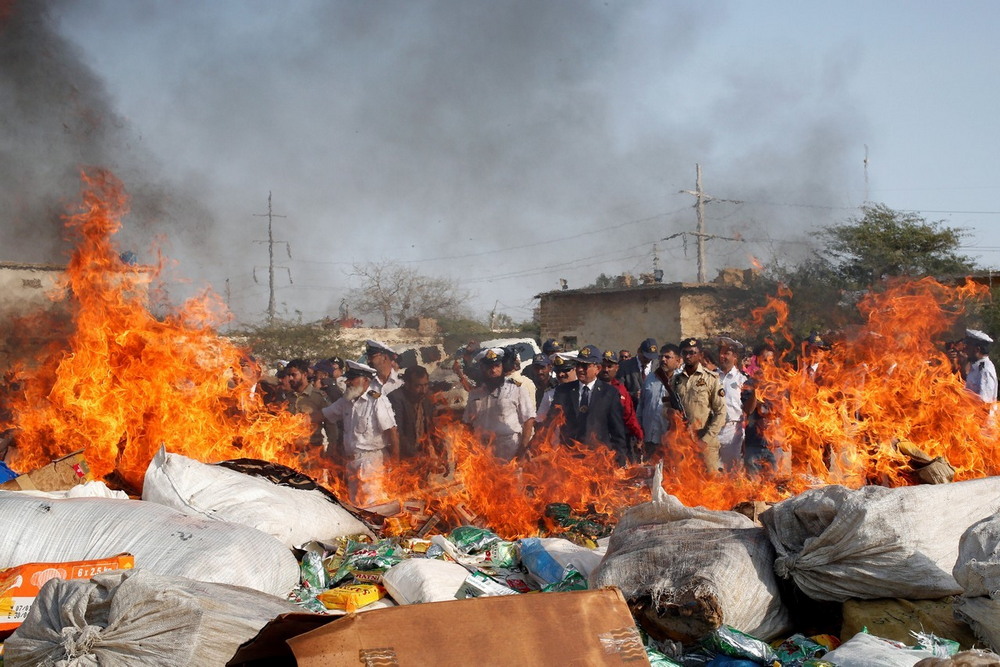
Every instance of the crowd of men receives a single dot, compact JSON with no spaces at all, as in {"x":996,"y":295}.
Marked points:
{"x":364,"y":414}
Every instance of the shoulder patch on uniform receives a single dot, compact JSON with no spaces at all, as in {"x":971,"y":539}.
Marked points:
{"x":722,"y":392}
{"x":513,"y":381}
{"x":373,"y":393}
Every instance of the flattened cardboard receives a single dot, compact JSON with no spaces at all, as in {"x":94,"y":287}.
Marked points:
{"x":60,"y":475}
{"x":575,"y":628}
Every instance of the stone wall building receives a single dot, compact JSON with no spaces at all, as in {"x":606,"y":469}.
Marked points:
{"x":621,"y":317}
{"x":29,"y":318}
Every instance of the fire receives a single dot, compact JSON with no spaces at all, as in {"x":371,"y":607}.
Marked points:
{"x":125,"y":382}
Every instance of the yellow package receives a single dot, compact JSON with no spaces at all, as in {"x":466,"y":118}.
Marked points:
{"x":351,"y":598}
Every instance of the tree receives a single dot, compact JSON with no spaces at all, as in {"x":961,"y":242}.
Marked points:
{"x":854,"y":256}
{"x":885,"y":243}
{"x":399,"y":293}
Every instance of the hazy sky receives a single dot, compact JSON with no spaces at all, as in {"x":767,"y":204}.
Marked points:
{"x":503,"y":144}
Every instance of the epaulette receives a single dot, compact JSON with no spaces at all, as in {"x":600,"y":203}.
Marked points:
{"x":373,"y":393}
{"x":513,"y":381}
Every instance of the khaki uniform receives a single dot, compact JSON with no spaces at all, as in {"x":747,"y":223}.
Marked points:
{"x":703,"y":398}
{"x":310,"y":402}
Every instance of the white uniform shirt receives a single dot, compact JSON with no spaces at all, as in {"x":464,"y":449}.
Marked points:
{"x":365,"y":421}
{"x":982,"y":379}
{"x":502,"y":411}
{"x":391,"y":383}
{"x":732,"y":384}
{"x":545,"y":404}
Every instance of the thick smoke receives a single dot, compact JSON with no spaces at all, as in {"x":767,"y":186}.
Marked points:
{"x":527,"y":141}
{"x":57,"y":120}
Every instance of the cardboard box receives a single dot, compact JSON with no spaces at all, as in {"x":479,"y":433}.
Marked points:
{"x":60,"y":475}
{"x":576,"y":628}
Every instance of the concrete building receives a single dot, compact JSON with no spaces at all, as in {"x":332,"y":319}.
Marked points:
{"x":621,"y":317}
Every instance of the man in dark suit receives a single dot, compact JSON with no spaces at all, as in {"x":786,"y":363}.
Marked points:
{"x":592,"y":408}
{"x":632,"y":372}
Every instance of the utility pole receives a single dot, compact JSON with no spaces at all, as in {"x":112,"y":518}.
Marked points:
{"x":700,"y":234}
{"x":270,"y":215}
{"x":866,"y":173}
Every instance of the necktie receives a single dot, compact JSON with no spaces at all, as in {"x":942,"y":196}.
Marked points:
{"x":584,"y":398}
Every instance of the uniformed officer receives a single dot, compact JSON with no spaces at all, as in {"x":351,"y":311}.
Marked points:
{"x":563,"y":370}
{"x":732,"y":380}
{"x":381,"y":357}
{"x":305,"y":399}
{"x":982,"y":377}
{"x":501,"y":410}
{"x":369,"y":428}
{"x":703,"y":399}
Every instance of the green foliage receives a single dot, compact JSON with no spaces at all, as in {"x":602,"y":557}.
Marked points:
{"x":287,"y":340}
{"x":854,"y":257}
{"x":886,"y":243}
{"x":989,"y":320}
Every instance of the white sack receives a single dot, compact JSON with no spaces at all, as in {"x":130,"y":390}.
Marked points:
{"x":418,"y":580}
{"x":134,"y":618}
{"x":294,"y":516}
{"x":978,"y":573}
{"x":698,"y":568}
{"x":864,"y":650}
{"x":877,"y":542}
{"x":92,"y":489}
{"x":163,"y":541}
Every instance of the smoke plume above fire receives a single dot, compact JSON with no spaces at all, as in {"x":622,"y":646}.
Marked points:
{"x":454,"y":129}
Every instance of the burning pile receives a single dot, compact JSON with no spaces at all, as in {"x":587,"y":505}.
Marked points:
{"x":127,"y":383}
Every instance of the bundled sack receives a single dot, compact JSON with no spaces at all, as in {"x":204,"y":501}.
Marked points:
{"x":134,"y":618}
{"x":688,"y":571}
{"x":865,"y":650}
{"x":977,"y":571}
{"x":163,"y":541}
{"x":877,"y":542}
{"x":294,"y":516}
{"x":419,"y":580}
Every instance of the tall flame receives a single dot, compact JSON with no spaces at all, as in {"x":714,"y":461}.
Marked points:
{"x":125,"y":382}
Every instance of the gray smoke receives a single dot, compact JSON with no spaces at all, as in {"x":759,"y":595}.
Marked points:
{"x":526,"y":141}
{"x":57,"y":120}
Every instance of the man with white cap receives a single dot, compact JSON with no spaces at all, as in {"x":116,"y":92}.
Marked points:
{"x":982,"y":377}
{"x":381,"y":357}
{"x":369,"y":428}
{"x":501,"y":410}
{"x":732,"y":380}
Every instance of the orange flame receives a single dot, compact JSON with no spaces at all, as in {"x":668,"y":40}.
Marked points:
{"x":126,"y":383}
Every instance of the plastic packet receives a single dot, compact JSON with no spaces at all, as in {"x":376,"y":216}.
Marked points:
{"x":502,"y":554}
{"x":941,"y":648}
{"x":351,"y":598}
{"x":472,"y":539}
{"x":657,"y":659}
{"x":797,"y":649}
{"x":573,"y":581}
{"x":361,"y":556}
{"x":305,"y":597}
{"x":312,"y":571}
{"x":540,"y":562}
{"x":731,"y":642}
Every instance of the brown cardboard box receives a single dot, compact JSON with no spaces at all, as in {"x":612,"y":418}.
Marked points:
{"x":60,"y":475}
{"x":576,"y":628}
